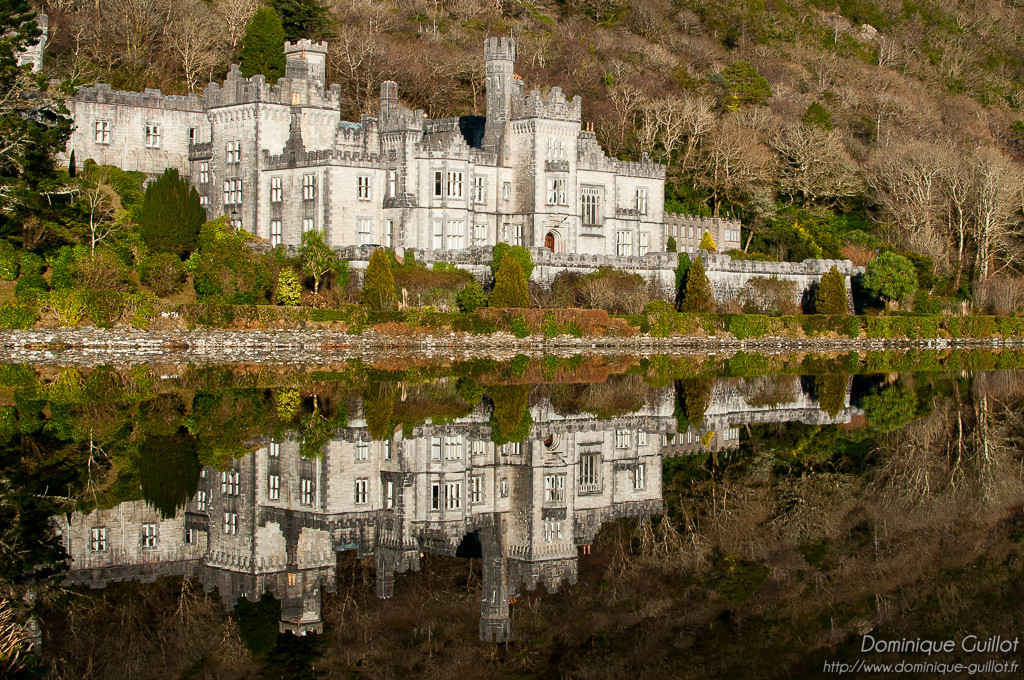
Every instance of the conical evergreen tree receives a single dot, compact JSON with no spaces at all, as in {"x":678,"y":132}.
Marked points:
{"x":379,"y":284}
{"x":263,"y":46}
{"x":707,"y":243}
{"x":831,"y":295}
{"x":698,"y":297}
{"x":509,"y":285}
{"x":171,"y":215}
{"x":303,"y":18}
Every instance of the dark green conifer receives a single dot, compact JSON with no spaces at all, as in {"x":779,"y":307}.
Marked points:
{"x":263,"y":46}
{"x":171,"y":215}
{"x":698,"y":297}
{"x":379,"y":284}
{"x":509,"y":285}
{"x":831,"y":295}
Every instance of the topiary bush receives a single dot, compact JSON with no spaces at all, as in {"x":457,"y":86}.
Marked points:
{"x":831,"y":294}
{"x":379,"y":284}
{"x":163,"y":273}
{"x":509,"y":285}
{"x":698,"y":297}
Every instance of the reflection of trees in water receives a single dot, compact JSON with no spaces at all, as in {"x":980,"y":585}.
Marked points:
{"x":771,"y":390}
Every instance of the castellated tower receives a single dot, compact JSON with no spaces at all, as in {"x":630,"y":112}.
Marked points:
{"x":307,"y":60}
{"x":499,"y":63}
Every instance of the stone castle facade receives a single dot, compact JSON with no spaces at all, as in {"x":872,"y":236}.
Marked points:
{"x":279,"y":161}
{"x":274,"y":521}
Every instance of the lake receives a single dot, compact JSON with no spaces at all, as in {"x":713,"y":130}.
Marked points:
{"x":596,"y":516}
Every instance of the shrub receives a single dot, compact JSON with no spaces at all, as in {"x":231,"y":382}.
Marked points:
{"x":614,"y":291}
{"x":289,"y":290}
{"x":31,"y":263}
{"x":171,"y":216}
{"x":671,"y":245}
{"x":998,"y":295}
{"x":658,"y":307}
{"x":509,"y":285}
{"x":519,"y":253}
{"x":771,"y":296}
{"x":225,"y":269}
{"x":470,"y":298}
{"x":698,"y":297}
{"x":519,"y":327}
{"x":817,"y":115}
{"x":8,"y":262}
{"x":17,"y":316}
{"x":63,"y":266}
{"x":707,"y":243}
{"x":745,"y":326}
{"x":891,"y":276}
{"x":103,"y":270}
{"x":831,"y":295}
{"x":162,"y":273}
{"x":30,"y":287}
{"x":379,"y":284}
{"x":683,"y":265}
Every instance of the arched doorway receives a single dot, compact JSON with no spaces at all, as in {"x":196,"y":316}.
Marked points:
{"x":549,"y":241}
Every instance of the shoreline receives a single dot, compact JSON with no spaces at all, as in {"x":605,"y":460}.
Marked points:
{"x":95,"y":346}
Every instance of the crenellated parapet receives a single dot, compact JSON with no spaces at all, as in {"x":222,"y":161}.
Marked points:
{"x":554,"y":106}
{"x":147,"y":99}
{"x":724,"y":263}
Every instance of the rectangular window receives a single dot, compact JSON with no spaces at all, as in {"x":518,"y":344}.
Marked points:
{"x":276,"y":193}
{"x":624,"y":243}
{"x":308,"y":187}
{"x":503,"y":488}
{"x":230,"y":523}
{"x":435,"y":448}
{"x":556,"y":191}
{"x":191,"y":536}
{"x":363,"y":231}
{"x":556,"y":149}
{"x":389,"y":495}
{"x":456,"y":235}
{"x":306,"y":492}
{"x":552,"y":530}
{"x":274,"y":449}
{"x":103,"y":132}
{"x":192,"y":135}
{"x":363,"y":188}
{"x":308,"y":224}
{"x":622,"y":439}
{"x":438,"y":183}
{"x":362,"y":490}
{"x":204,"y":200}
{"x":229,"y":483}
{"x":478,"y":189}
{"x":506,"y":191}
{"x":453,"y":448}
{"x":639,"y":477}
{"x":232,"y":191}
{"x":554,"y":488}
{"x":387,"y":449}
{"x":274,"y":487}
{"x":645,"y":245}
{"x":435,"y":496}
{"x":389,"y":234}
{"x":641,"y":438}
{"x":517,"y":236}
{"x":454,"y":187}
{"x":149,"y":537}
{"x":453,"y":495}
{"x":479,"y":448}
{"x":201,"y":501}
{"x":590,"y":200}
{"x":204,"y":173}
{"x":233,"y":152}
{"x":99,"y":539}
{"x":275,"y":232}
{"x":362,"y":451}
{"x":641,"y":200}
{"x":589,"y":482}
{"x":153,"y":136}
{"x":476,"y":489}
{"x":392,"y":183}
{"x":479,"y":234}
{"x":438,"y":240}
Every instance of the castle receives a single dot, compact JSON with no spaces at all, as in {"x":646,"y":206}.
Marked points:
{"x":279,"y":161}
{"x":275,"y":521}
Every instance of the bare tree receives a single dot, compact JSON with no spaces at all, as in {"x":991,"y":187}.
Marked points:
{"x":194,"y":36}
{"x":733,"y":162}
{"x":235,"y":15}
{"x":815,"y":166}
{"x":101,"y":201}
{"x":997,"y":211}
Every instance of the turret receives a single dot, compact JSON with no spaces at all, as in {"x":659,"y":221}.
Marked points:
{"x":499,"y":63}
{"x":388,"y":100}
{"x":306,"y":60}
{"x":495,"y":617}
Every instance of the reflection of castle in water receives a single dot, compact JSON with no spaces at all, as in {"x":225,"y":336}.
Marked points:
{"x":275,"y":521}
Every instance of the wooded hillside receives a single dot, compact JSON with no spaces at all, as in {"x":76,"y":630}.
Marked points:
{"x":829,"y":127}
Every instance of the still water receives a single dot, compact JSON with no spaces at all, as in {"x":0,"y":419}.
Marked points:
{"x":744,"y":516}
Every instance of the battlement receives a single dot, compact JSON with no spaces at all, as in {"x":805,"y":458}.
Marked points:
{"x":499,"y":49}
{"x":725,"y":263}
{"x":552,"y":107}
{"x":101,"y":93}
{"x":304,"y":45}
{"x":704,"y":223}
